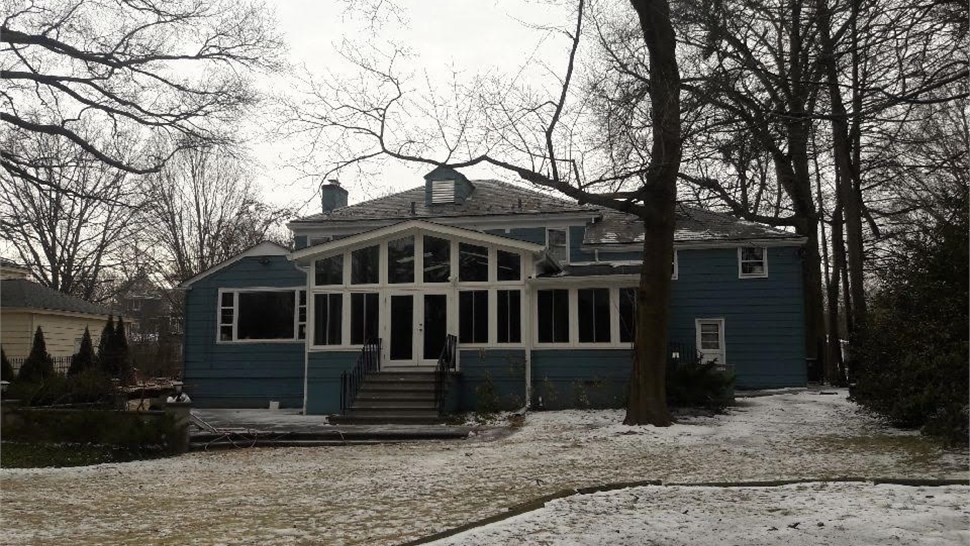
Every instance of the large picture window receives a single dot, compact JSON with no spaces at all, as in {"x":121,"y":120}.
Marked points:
{"x":593,"y":305}
{"x":260,"y":315}
{"x":364,"y":318}
{"x":473,"y":316}
{"x":509,"y":320}
{"x":553,"y":316}
{"x":327,"y":318}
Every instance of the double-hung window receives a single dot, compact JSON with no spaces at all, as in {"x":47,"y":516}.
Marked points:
{"x":752,"y":262}
{"x":473,"y":316}
{"x":553,"y":316}
{"x":593,"y":305}
{"x":557,"y":245}
{"x":328,"y":319}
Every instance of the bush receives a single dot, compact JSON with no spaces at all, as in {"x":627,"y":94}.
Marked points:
{"x":697,"y":384}
{"x":39,"y":365}
{"x":6,"y":369}
{"x":85,"y":358}
{"x":486,"y":398}
{"x":39,"y":391}
{"x":90,"y":386}
{"x":910,"y":359}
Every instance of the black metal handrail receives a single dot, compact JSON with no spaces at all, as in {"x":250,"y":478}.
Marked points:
{"x":446,"y":363}
{"x":350,"y":382}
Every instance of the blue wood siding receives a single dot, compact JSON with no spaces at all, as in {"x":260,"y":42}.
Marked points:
{"x":240,"y":374}
{"x":299,"y":241}
{"x":580,"y":378}
{"x":531,"y":235}
{"x":764,"y":326}
{"x":500,"y":369}
{"x":323,"y":379}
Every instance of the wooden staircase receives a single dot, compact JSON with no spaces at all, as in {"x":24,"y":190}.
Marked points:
{"x":393,"y":398}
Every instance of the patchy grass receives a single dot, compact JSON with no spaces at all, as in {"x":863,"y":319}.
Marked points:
{"x":914,"y":449}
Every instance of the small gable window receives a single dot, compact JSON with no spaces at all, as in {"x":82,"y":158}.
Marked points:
{"x":472,"y":262}
{"x":329,"y":271}
{"x":509,"y":266}
{"x":442,"y":191}
{"x":752,"y":262}
{"x":365,"y":265}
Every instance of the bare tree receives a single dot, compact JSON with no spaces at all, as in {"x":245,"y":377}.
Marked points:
{"x":202,"y":209}
{"x":67,"y":229}
{"x":134,"y":70}
{"x":537,"y":135}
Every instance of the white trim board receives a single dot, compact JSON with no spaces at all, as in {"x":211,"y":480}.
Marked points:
{"x":266,"y":248}
{"x":306,"y":254}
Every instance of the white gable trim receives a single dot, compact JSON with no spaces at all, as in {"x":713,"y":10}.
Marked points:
{"x":266,"y":248}
{"x":309,"y":253}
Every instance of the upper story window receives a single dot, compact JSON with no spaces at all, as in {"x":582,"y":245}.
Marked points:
{"x":752,"y":262}
{"x":557,"y":246}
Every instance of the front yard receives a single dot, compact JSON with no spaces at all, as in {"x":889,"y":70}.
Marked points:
{"x":386,"y":494}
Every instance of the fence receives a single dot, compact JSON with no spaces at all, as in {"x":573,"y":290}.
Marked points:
{"x":61,"y":364}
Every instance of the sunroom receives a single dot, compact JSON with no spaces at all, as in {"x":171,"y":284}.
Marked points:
{"x":410,"y":285}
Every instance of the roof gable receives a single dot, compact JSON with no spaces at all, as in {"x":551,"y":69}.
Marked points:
{"x":265,"y":248}
{"x":410,"y":226}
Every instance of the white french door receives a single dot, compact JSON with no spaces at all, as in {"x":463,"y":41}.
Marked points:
{"x":417,"y":324}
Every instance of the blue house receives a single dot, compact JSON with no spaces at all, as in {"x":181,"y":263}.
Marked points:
{"x":537,"y":291}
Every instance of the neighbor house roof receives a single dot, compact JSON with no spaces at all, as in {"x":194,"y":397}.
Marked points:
{"x":694,"y":225}
{"x":24,"y":294}
{"x":490,"y":198}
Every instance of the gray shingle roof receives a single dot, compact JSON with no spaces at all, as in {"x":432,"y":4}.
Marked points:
{"x":693,"y":225}
{"x":490,"y":198}
{"x":21,"y":293}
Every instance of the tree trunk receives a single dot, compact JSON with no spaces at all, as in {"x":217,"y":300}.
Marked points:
{"x":647,"y":403}
{"x":848,"y":171}
{"x":836,"y":372}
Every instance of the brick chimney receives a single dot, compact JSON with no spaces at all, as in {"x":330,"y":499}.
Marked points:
{"x":332,"y":195}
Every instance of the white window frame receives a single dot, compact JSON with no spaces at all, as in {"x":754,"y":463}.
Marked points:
{"x":452,"y":287}
{"x":565,"y":229}
{"x":720,"y":333}
{"x":764,"y":261}
{"x":235,"y":314}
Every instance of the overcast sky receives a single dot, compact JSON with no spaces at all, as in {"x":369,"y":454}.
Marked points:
{"x":470,"y":36}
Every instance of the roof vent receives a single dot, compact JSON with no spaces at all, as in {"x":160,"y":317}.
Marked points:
{"x":442,"y":191}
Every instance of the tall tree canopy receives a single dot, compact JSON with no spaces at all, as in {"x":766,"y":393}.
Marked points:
{"x":132,"y":70}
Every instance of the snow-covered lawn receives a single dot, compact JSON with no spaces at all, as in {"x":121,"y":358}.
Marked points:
{"x":386,"y":494}
{"x":803,"y":514}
